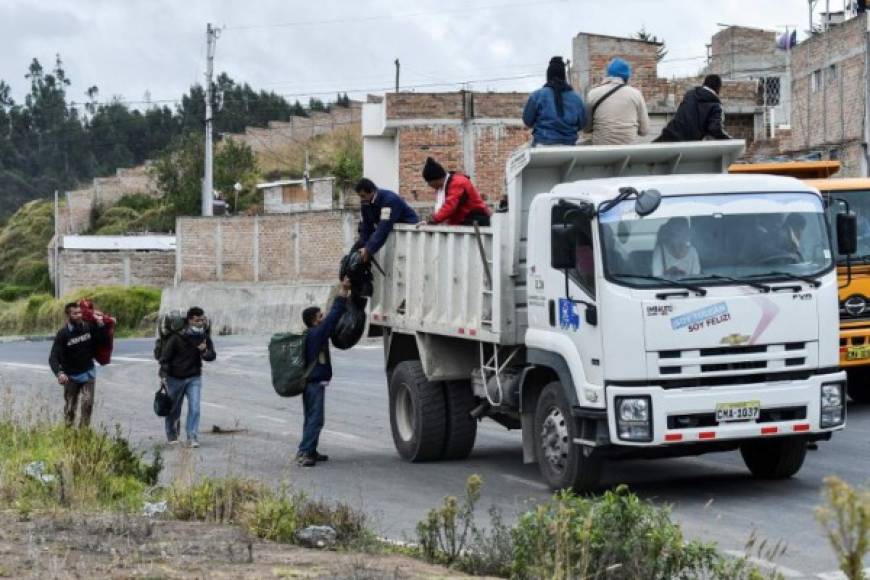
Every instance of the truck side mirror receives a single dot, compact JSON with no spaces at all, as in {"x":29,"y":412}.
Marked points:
{"x":847,"y":233}
{"x":563,"y":241}
{"x":647,"y":202}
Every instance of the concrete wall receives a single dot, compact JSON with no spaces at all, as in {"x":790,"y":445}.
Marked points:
{"x":830,"y":115}
{"x":318,"y":197}
{"x":85,"y":268}
{"x":254,"y":309}
{"x":284,"y":249}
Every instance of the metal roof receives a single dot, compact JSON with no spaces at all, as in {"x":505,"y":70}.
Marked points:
{"x":117,"y":243}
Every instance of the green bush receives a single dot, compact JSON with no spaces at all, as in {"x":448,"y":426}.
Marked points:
{"x":140,"y":202}
{"x":23,"y":243}
{"x":11,"y":292}
{"x":85,"y":468}
{"x":846,"y":518}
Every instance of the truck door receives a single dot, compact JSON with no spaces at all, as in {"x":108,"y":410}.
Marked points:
{"x":571,"y":293}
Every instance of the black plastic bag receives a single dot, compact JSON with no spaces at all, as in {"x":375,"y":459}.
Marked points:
{"x":350,"y":327}
{"x":162,"y":401}
{"x":358,"y":272}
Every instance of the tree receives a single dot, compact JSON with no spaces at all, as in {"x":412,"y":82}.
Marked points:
{"x":661,"y":51}
{"x":316,"y":105}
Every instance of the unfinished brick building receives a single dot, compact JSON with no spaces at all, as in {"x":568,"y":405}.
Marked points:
{"x":829,"y":96}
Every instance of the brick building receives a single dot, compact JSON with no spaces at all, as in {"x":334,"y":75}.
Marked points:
{"x":86,"y":261}
{"x":295,"y":195}
{"x":829,"y":96}
{"x":592,"y":52}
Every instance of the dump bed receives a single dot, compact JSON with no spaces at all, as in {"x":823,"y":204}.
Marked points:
{"x":456,"y":281}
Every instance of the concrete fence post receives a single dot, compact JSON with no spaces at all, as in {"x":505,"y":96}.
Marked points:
{"x":219,"y":251}
{"x":256,"y":248}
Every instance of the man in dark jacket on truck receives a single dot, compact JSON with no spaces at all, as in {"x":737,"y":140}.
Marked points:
{"x":72,"y":362}
{"x":699,"y":116}
{"x":181,"y":367}
{"x":381,"y":209}
{"x":314,"y":396}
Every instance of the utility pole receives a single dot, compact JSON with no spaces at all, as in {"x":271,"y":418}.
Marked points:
{"x":211,"y":35}
{"x":397,"y":75}
{"x":56,"y":246}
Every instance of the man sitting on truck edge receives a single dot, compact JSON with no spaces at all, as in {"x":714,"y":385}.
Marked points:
{"x":314,"y":396}
{"x":617,"y":111}
{"x":457,"y":201}
{"x":555,"y":113}
{"x":380,"y":209}
{"x":699,"y":115}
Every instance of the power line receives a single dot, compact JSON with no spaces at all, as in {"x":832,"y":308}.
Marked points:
{"x":392,"y":16}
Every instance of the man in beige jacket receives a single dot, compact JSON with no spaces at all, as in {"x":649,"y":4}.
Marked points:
{"x":617,"y":111}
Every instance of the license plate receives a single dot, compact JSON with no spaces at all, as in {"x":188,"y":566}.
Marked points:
{"x":744,"y":411}
{"x":857,"y":352}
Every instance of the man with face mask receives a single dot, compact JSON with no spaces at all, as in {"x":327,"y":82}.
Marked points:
{"x":72,"y":362}
{"x":181,"y":367}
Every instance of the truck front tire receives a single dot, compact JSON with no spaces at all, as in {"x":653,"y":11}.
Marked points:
{"x":418,"y":413}
{"x":461,"y":426}
{"x":562,"y":463}
{"x":777,"y":458}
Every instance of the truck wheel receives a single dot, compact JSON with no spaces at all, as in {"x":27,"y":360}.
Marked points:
{"x":461,"y":426}
{"x":858,"y":385}
{"x":418,"y":415}
{"x":562,"y":462}
{"x":774,"y":458}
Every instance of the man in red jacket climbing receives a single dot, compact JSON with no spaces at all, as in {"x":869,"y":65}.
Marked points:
{"x":458,"y":203}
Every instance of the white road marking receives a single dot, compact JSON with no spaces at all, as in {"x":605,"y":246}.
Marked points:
{"x":215,"y":405}
{"x":766,"y":564}
{"x":273,"y":419}
{"x":133,"y":359}
{"x":26,"y":366}
{"x":528,"y":482}
{"x":341,"y":435}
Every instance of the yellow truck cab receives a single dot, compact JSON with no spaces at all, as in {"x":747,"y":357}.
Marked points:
{"x":853,"y":273}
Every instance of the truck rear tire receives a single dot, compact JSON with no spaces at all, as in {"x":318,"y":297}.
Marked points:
{"x":778,"y":458}
{"x":461,"y":426}
{"x":418,"y":414}
{"x":562,"y":463}
{"x":858,"y":384}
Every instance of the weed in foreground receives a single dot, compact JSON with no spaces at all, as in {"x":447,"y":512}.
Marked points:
{"x":846,"y":518}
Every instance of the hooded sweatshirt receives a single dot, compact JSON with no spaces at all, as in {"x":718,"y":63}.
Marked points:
{"x":181,"y":357}
{"x":699,"y":116}
{"x":74,"y":348}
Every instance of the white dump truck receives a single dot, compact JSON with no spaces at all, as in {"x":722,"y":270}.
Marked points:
{"x":629,"y":301}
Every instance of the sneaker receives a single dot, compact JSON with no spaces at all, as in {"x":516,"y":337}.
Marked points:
{"x":319,"y":457}
{"x":172,"y":442}
{"x":194,"y":444}
{"x":307,"y":461}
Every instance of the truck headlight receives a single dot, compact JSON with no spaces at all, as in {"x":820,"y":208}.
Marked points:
{"x":633,"y":418}
{"x":833,"y":405}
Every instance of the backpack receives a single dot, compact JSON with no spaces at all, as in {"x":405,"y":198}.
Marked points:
{"x":287,"y":361}
{"x":167,"y":325}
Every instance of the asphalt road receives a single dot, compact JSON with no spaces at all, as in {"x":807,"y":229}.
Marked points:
{"x":712,"y":496}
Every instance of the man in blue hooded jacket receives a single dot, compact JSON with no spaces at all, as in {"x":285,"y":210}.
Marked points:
{"x":555,"y":113}
{"x":380,"y":209}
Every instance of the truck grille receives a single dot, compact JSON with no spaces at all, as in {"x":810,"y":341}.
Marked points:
{"x":730,"y":360}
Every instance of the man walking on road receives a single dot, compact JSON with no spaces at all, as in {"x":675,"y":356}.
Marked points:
{"x":314,"y":396}
{"x":72,"y":362}
{"x":181,"y":367}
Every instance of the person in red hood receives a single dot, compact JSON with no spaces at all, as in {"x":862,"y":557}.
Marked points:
{"x":458,"y":203}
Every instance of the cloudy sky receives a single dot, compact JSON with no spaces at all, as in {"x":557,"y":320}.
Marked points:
{"x":134,"y":48}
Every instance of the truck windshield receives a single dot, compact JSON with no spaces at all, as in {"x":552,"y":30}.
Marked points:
{"x":717,"y":239}
{"x":859,"y":203}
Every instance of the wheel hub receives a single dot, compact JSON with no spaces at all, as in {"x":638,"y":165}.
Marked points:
{"x":404,"y":413}
{"x":554,"y":440}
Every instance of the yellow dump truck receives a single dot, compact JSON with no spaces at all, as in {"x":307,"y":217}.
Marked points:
{"x":854,"y":273}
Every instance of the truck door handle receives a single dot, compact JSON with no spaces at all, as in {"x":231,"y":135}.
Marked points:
{"x":552,"y":305}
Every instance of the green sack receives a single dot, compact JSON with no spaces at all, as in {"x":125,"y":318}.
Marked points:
{"x":287,"y":359}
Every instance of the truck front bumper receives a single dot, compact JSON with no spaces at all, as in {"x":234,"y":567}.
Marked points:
{"x":688,"y":415}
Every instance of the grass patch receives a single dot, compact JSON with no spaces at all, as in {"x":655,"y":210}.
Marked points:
{"x":134,"y":213}
{"x":81,"y":469}
{"x":42,"y":314}
{"x":23,"y":243}
{"x":266,"y":513}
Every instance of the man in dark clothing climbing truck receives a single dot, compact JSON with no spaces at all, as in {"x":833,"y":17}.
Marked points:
{"x":181,"y":368}
{"x":72,"y":362}
{"x":314,"y":397}
{"x":555,"y":113}
{"x":699,"y":115}
{"x":457,"y":201}
{"x":380,"y":209}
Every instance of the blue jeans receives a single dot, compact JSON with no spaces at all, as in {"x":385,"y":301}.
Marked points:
{"x":179,"y":389}
{"x":313,"y":405}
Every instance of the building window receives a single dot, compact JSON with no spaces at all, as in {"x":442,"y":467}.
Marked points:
{"x":816,"y":81}
{"x":769,"y":91}
{"x":833,"y":74}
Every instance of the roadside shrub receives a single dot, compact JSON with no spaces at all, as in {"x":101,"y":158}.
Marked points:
{"x":12,"y":292}
{"x":846,"y":518}
{"x":75,"y":468}
{"x":139,"y":202}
